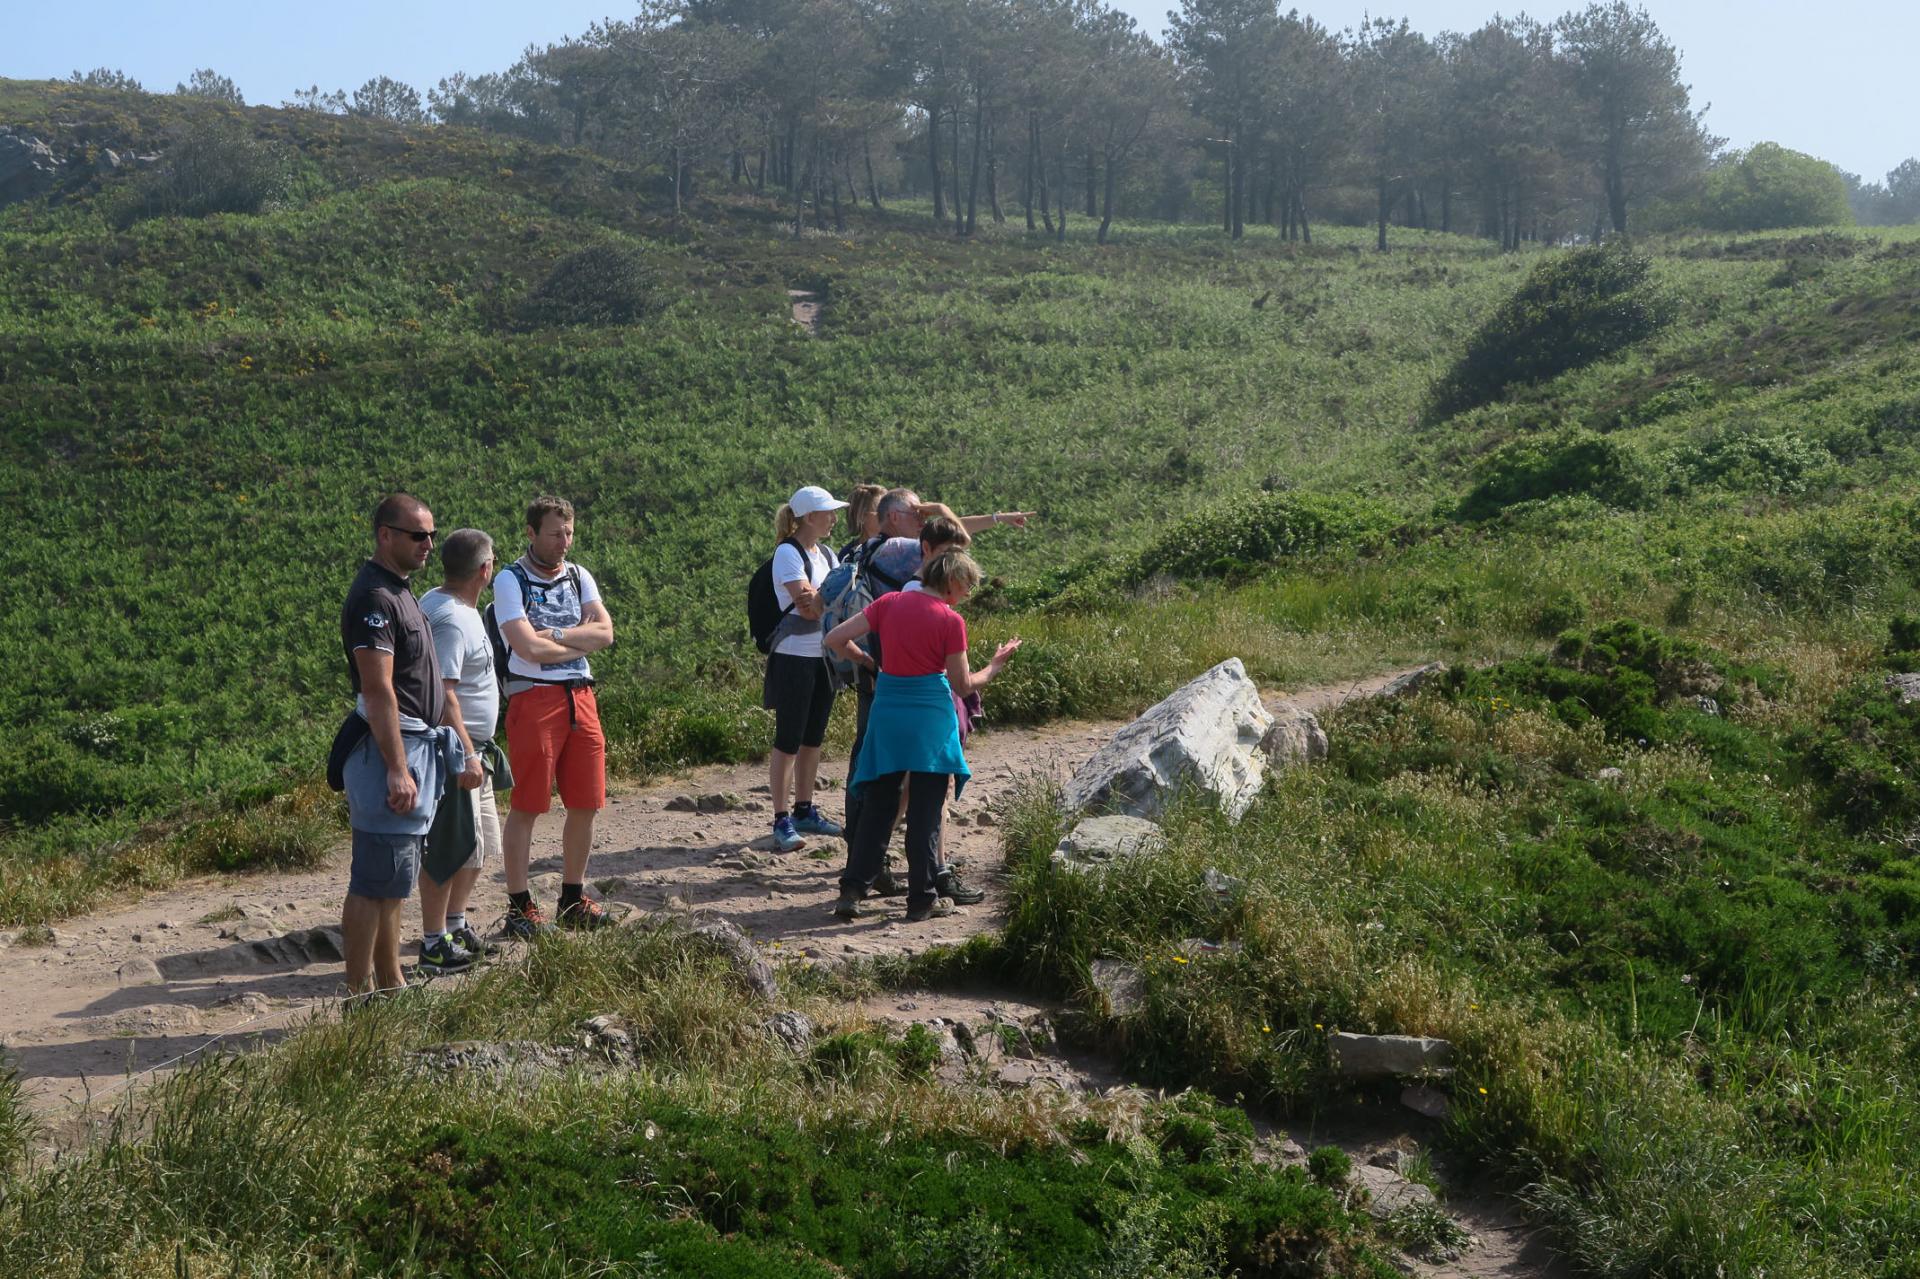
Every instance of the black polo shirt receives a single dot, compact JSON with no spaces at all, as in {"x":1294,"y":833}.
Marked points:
{"x":381,"y":613}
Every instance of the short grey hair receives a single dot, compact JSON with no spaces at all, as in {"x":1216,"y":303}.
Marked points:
{"x":894,"y":500}
{"x":464,"y":551}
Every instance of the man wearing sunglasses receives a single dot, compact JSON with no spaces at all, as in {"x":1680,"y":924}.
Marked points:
{"x":413,"y":748}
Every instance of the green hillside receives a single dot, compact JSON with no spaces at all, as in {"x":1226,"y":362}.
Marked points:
{"x":197,"y":413}
{"x":1684,"y":989}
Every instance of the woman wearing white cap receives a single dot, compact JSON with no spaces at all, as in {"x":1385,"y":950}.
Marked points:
{"x":798,"y":690}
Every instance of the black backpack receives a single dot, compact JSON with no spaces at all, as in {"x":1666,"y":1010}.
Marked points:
{"x":502,"y":651}
{"x":764,"y":613}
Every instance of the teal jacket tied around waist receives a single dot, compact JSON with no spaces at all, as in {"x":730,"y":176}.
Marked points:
{"x":911,"y":729}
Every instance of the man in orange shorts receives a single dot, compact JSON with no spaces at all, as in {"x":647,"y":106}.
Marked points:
{"x":550,"y":615}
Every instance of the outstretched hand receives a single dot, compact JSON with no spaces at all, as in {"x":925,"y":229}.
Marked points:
{"x":1016,"y":518}
{"x":1006,"y":650}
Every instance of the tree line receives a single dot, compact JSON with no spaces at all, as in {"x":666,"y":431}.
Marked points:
{"x":1048,"y":110}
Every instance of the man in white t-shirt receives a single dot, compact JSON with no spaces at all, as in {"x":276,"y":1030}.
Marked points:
{"x":550,"y":615}
{"x":448,"y":942}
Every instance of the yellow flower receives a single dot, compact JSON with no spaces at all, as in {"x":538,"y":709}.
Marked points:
{"x":1318,"y":1026}
{"x":1179,"y":959}
{"x":1266,"y":1030}
{"x":1483,"y":1092}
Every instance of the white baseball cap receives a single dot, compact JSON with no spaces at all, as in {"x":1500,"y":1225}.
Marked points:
{"x":812,"y":498}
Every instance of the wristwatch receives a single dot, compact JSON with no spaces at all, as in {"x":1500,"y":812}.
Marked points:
{"x":559,"y":633}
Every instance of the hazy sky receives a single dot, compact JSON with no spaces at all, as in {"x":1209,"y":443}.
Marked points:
{"x":1836,"y":78}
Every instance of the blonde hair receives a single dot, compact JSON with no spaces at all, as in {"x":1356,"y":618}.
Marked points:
{"x":862,"y":503}
{"x":948,"y":570}
{"x":785,"y":522}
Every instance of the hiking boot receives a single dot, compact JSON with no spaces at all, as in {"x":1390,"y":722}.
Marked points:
{"x":443,"y":954}
{"x":785,"y":837}
{"x":527,"y":923}
{"x":815,"y":822}
{"x":479,"y":946}
{"x":948,"y":884}
{"x":584,"y":915}
{"x":938,"y":908}
{"x":848,"y":907}
{"x":888,"y":884}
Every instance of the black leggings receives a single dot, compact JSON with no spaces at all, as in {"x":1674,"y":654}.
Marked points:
{"x":800,"y":695}
{"x":867,"y":849}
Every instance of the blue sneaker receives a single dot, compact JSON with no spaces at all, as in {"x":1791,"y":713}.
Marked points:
{"x":785,"y":836}
{"x":815,"y":822}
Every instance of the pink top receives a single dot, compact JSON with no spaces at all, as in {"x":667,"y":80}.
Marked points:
{"x":917,"y":631}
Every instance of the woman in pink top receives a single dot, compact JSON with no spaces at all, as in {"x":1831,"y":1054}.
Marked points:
{"x":913,"y":734}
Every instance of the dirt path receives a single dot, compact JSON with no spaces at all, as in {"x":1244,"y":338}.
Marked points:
{"x":233,"y":961}
{"x":132,"y":987}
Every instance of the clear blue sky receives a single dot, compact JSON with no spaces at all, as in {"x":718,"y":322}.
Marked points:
{"x":1836,"y":78}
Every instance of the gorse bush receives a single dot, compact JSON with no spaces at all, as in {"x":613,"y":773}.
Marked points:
{"x":215,"y":165}
{"x":604,"y":284}
{"x":1534,"y":469}
{"x":1228,"y":538}
{"x":1574,"y":308}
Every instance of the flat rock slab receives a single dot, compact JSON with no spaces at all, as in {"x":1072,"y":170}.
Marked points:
{"x":1377,"y":1056}
{"x":1095,"y":842}
{"x":1207,"y":734}
{"x":1388,"y":1192}
{"x":1122,"y":985}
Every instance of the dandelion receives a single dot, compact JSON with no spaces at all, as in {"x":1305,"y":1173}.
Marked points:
{"x":1473,"y":1007}
{"x":1179,"y":959}
{"x":1483,"y":1092}
{"x":1266,"y":1030}
{"x":1318,"y":1026}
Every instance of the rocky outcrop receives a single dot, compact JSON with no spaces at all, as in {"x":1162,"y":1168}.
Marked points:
{"x":28,"y":166}
{"x":1206,"y":736}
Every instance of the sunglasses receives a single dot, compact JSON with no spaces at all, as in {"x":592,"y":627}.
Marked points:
{"x":418,"y":535}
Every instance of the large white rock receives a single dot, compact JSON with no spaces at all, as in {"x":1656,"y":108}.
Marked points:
{"x":1206,"y":734}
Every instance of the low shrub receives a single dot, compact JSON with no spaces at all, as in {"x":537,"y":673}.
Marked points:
{"x":602,"y":285}
{"x":1231,"y":538}
{"x":1535,"y":469}
{"x":1864,"y":754}
{"x":1573,"y":309}
{"x":214,"y":165}
{"x":1784,"y":463}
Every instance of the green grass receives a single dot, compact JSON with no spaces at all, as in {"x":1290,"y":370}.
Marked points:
{"x":719,"y":1153}
{"x":1682,"y":999}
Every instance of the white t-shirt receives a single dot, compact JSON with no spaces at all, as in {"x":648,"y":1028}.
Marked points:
{"x":460,"y":640}
{"x":553,"y":604}
{"x":787,"y":567}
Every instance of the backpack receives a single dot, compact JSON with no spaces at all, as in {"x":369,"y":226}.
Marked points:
{"x":848,"y":590}
{"x":764,"y":613}
{"x":502,"y":651}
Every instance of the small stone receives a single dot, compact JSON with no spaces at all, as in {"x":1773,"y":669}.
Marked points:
{"x":675,"y":902}
{"x":1373,"y":1056}
{"x":1388,"y":1192}
{"x":611,"y":884}
{"x":986,"y":818}
{"x":1122,"y":985}
{"x":961,"y":819}
{"x":1426,"y":1100}
{"x":140,"y":971}
{"x":682,"y":804}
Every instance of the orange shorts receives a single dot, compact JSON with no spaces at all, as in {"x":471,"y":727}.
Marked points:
{"x":550,"y":741}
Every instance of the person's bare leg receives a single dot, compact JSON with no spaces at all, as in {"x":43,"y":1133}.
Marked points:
{"x":779,"y":777}
{"x":460,"y":889}
{"x":806,"y":766}
{"x":433,"y":907}
{"x":516,"y":848}
{"x":386,"y":945}
{"x":360,"y":923}
{"x":576,"y":844}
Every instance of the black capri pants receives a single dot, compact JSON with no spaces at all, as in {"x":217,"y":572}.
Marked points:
{"x":799,"y":692}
